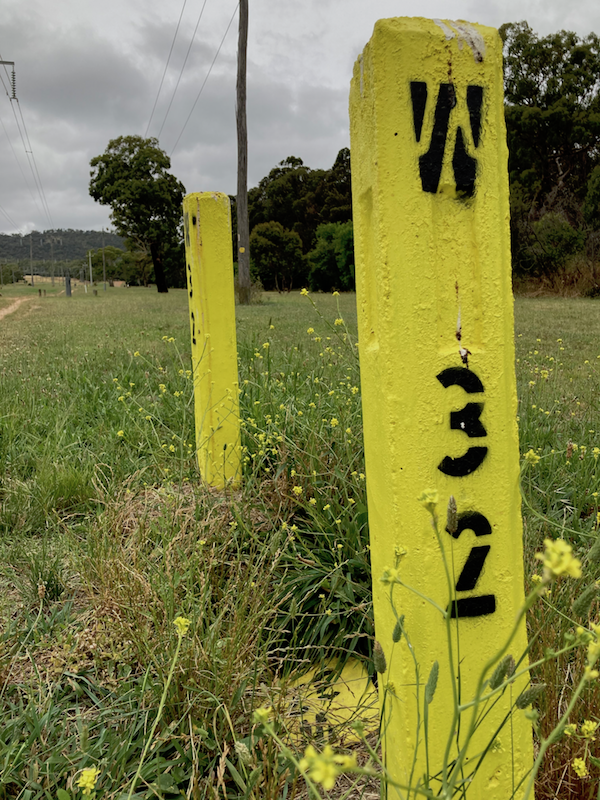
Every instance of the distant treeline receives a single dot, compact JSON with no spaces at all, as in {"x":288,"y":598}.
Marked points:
{"x":300,"y":218}
{"x":552,"y":110}
{"x":57,"y":245}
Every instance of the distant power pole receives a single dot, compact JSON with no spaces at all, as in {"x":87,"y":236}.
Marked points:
{"x":52,"y":239}
{"x":31,"y":256}
{"x":243,"y":228}
{"x":103,"y":260}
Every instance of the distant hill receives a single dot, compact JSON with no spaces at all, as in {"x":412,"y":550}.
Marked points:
{"x":62,"y":245}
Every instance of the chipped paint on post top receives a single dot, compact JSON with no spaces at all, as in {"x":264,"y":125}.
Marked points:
{"x":209,"y":269}
{"x":431,"y":222}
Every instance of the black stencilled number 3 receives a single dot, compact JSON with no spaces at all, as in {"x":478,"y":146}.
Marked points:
{"x":466,"y":420}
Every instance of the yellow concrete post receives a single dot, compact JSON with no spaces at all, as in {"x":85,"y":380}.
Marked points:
{"x":209,"y":266}
{"x":431,"y":214}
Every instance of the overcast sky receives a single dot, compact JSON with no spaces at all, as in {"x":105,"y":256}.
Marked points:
{"x":89,"y":71}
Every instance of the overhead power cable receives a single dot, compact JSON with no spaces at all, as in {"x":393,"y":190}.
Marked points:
{"x":9,"y":218}
{"x":22,"y":128}
{"x":33,"y":164}
{"x":182,"y":68}
{"x":14,"y":152}
{"x":205,"y":79}
{"x":162,"y":80}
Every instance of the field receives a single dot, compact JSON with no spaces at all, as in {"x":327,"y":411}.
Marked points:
{"x":107,"y":536}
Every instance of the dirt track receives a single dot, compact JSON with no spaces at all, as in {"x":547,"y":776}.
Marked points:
{"x":13,"y":306}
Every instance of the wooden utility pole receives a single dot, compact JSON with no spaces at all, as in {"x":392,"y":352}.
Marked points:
{"x":243,"y":229}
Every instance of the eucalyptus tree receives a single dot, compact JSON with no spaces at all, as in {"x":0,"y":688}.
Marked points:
{"x":132,"y":177}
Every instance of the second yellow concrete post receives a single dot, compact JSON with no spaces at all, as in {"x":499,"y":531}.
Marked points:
{"x":209,"y":266}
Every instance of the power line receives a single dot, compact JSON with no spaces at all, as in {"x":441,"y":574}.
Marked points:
{"x":14,"y":152}
{"x":34,"y":170}
{"x":165,"y":71}
{"x":8,"y":217}
{"x":28,"y":152}
{"x":182,"y":68}
{"x":205,"y":79}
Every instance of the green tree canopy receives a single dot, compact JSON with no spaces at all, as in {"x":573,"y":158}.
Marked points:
{"x":301,"y":198}
{"x":553,"y":127}
{"x":112,"y":262}
{"x":332,"y":259}
{"x":132,"y":177}
{"x":276,"y":256}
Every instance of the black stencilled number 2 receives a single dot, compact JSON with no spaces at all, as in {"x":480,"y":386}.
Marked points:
{"x":477,"y":605}
{"x":466,"y":420}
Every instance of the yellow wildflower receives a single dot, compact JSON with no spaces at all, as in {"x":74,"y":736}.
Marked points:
{"x":570,"y":729}
{"x":261,"y":715}
{"x":325,"y":767}
{"x":390,"y":575}
{"x":590,"y":674}
{"x":87,"y":780}
{"x":304,"y":292}
{"x":558,"y":560}
{"x":182,"y":624}
{"x":429,"y":499}
{"x":531,"y":457}
{"x":593,"y":651}
{"x":580,"y":767}
{"x":588,"y":729}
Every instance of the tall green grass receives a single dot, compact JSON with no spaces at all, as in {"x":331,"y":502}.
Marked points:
{"x":106,"y":535}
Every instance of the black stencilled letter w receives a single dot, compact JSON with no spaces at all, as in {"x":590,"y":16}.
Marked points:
{"x":431,"y":162}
